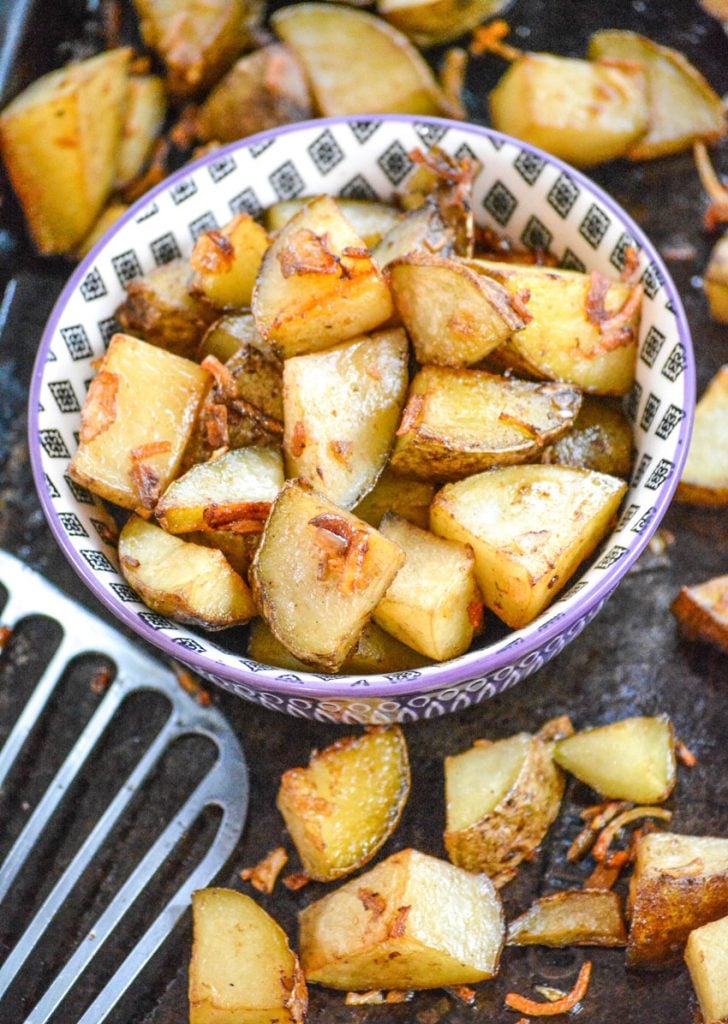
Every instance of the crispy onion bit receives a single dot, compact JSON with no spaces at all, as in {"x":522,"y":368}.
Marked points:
{"x":399,"y":924}
{"x":144,"y":477}
{"x":475,"y":613}
{"x":191,"y":684}
{"x":213,"y":253}
{"x":215,"y":420}
{"x":296,"y":882}
{"x":298,"y":439}
{"x":463,"y":993}
{"x":225,"y":384}
{"x":685,"y":755}
{"x":343,"y":550}
{"x":99,"y":409}
{"x":717,"y":212}
{"x":372,"y":901}
{"x":523,"y":1005}
{"x":596,"y":817}
{"x":606,"y":836}
{"x":263,"y":875}
{"x":615,"y":327}
{"x":308,"y":253}
{"x":603,"y":876}
{"x":240,"y":517}
{"x":489,"y":39}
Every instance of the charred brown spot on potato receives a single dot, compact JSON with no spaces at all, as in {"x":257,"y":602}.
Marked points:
{"x":298,"y":441}
{"x":308,"y":253}
{"x":225,"y":383}
{"x":399,"y":925}
{"x":213,"y":253}
{"x":372,"y":901}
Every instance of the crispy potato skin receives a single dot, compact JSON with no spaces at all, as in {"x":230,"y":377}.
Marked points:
{"x":575,"y":917}
{"x":701,"y":611}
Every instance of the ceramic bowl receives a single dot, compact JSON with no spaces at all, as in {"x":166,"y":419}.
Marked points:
{"x":533,"y":198}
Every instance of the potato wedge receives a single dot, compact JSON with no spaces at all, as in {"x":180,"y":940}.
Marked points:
{"x":233,"y":493}
{"x":371,"y":220}
{"x":429,"y":22}
{"x":136,"y":420}
{"x":242,"y":970}
{"x":262,"y":90}
{"x":682,"y":105}
{"x":581,"y":111}
{"x":184,"y":581}
{"x":530,"y":527}
{"x":407,"y":497}
{"x":575,"y":917}
{"x":159,"y":308}
{"x":679,"y":883}
{"x":584,"y":328}
{"x":706,"y":955}
{"x":704,"y":479}
{"x":421,"y":230}
{"x":433,"y":605}
{"x":374,"y":652}
{"x":146,"y":108}
{"x":318,"y":593}
{"x":715,"y":281}
{"x":501,"y":799}
{"x":329,"y":40}
{"x":460,"y":422}
{"x":453,"y":315}
{"x":347,"y":802}
{"x":719,"y":10}
{"x":600,"y":439}
{"x":413,"y":921}
{"x":633,"y":759}
{"x":238,"y":548}
{"x":702,"y":611}
{"x":341,"y":408}
{"x":109,"y":216}
{"x":226,"y":263}
{"x":317,"y":284}
{"x":227,"y":336}
{"x":59,"y":140}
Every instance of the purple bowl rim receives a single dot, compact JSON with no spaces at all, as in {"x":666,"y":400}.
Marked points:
{"x":432,"y":677}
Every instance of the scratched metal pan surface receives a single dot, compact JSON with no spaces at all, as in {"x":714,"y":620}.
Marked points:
{"x":629,"y":661}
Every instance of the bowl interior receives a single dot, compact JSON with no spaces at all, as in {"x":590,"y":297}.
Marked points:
{"x":534,"y":199}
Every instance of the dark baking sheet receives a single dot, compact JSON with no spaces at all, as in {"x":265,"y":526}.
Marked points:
{"x":630,"y":660}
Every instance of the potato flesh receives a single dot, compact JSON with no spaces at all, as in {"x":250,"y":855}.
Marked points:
{"x":581,"y":111}
{"x":702,"y":611}
{"x":155,"y":401}
{"x":451,"y":934}
{"x":679,"y":883}
{"x":433,"y":604}
{"x":706,"y":955}
{"x":242,"y":969}
{"x":303,"y":310}
{"x":310,"y":615}
{"x":633,"y":759}
{"x":329,"y":41}
{"x":225,"y":279}
{"x":470,"y":420}
{"x":59,"y":140}
{"x":530,"y":527}
{"x":246,"y":476}
{"x":428,"y":22}
{"x":571,"y":918}
{"x":189,"y":583}
{"x":344,"y":806}
{"x":600,"y":439}
{"x":145,"y":112}
{"x":704,"y":479}
{"x":421,"y":229}
{"x":477,"y":780}
{"x":370,"y":220}
{"x":406,"y":496}
{"x":341,"y":410}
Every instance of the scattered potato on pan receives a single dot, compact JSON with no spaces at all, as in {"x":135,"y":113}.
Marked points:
{"x":329,"y":40}
{"x":581,"y":328}
{"x":413,"y":921}
{"x":582,"y":111}
{"x":136,"y":420}
{"x":318,"y":575}
{"x":460,"y":422}
{"x":530,"y":528}
{"x":341,"y":408}
{"x":370,"y":219}
{"x":715,"y":281}
{"x":702,"y":611}
{"x":429,"y":22}
{"x":633,"y":759}
{"x":453,"y":315}
{"x":109,"y":216}
{"x":403,"y":495}
{"x":59,"y":140}
{"x":704,"y":479}
{"x":159,"y":308}
{"x":679,"y":883}
{"x":242,"y":968}
{"x":682,"y":106}
{"x":599,"y":439}
{"x":346,"y":803}
{"x":318,"y":284}
{"x":189,"y":583}
{"x":719,"y":10}
{"x":501,"y":799}
{"x":706,"y":955}
{"x":146,"y":107}
{"x":262,"y":90}
{"x":575,"y":917}
{"x":233,"y":493}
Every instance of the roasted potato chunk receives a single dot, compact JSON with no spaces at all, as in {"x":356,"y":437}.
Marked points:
{"x":575,"y":917}
{"x":530,"y":528}
{"x":146,"y":107}
{"x":704,"y":479}
{"x":242,"y":970}
{"x":702,"y":611}
{"x":433,"y":604}
{"x":226,"y":263}
{"x":407,"y":497}
{"x":341,"y":410}
{"x":428,"y":22}
{"x":600,"y":439}
{"x":460,"y":422}
{"x":581,"y":111}
{"x":59,"y":140}
{"x":706,"y":955}
{"x":633,"y":759}
{"x":189,"y":583}
{"x":420,"y":230}
{"x":715,"y":281}
{"x":501,"y":799}
{"x":411,"y":922}
{"x":318,"y":594}
{"x":370,"y":220}
{"x":344,"y":806}
{"x":318,"y":285}
{"x":454,"y":316}
{"x":228,"y":335}
{"x":679,"y":883}
{"x":238,"y":548}
{"x":136,"y":420}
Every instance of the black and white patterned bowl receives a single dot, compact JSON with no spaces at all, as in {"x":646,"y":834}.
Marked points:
{"x":535,"y":199}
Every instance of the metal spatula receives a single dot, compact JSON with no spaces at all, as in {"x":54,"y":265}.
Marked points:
{"x":224,"y":786}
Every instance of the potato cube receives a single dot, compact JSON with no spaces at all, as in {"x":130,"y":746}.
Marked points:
{"x":575,"y":917}
{"x":600,"y":439}
{"x":406,"y":496}
{"x":702,"y":611}
{"x":371,"y":220}
{"x":704,"y":479}
{"x":136,"y":420}
{"x":413,"y":921}
{"x":146,"y":108}
{"x":706,"y":955}
{"x":226,"y":263}
{"x":429,"y":22}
